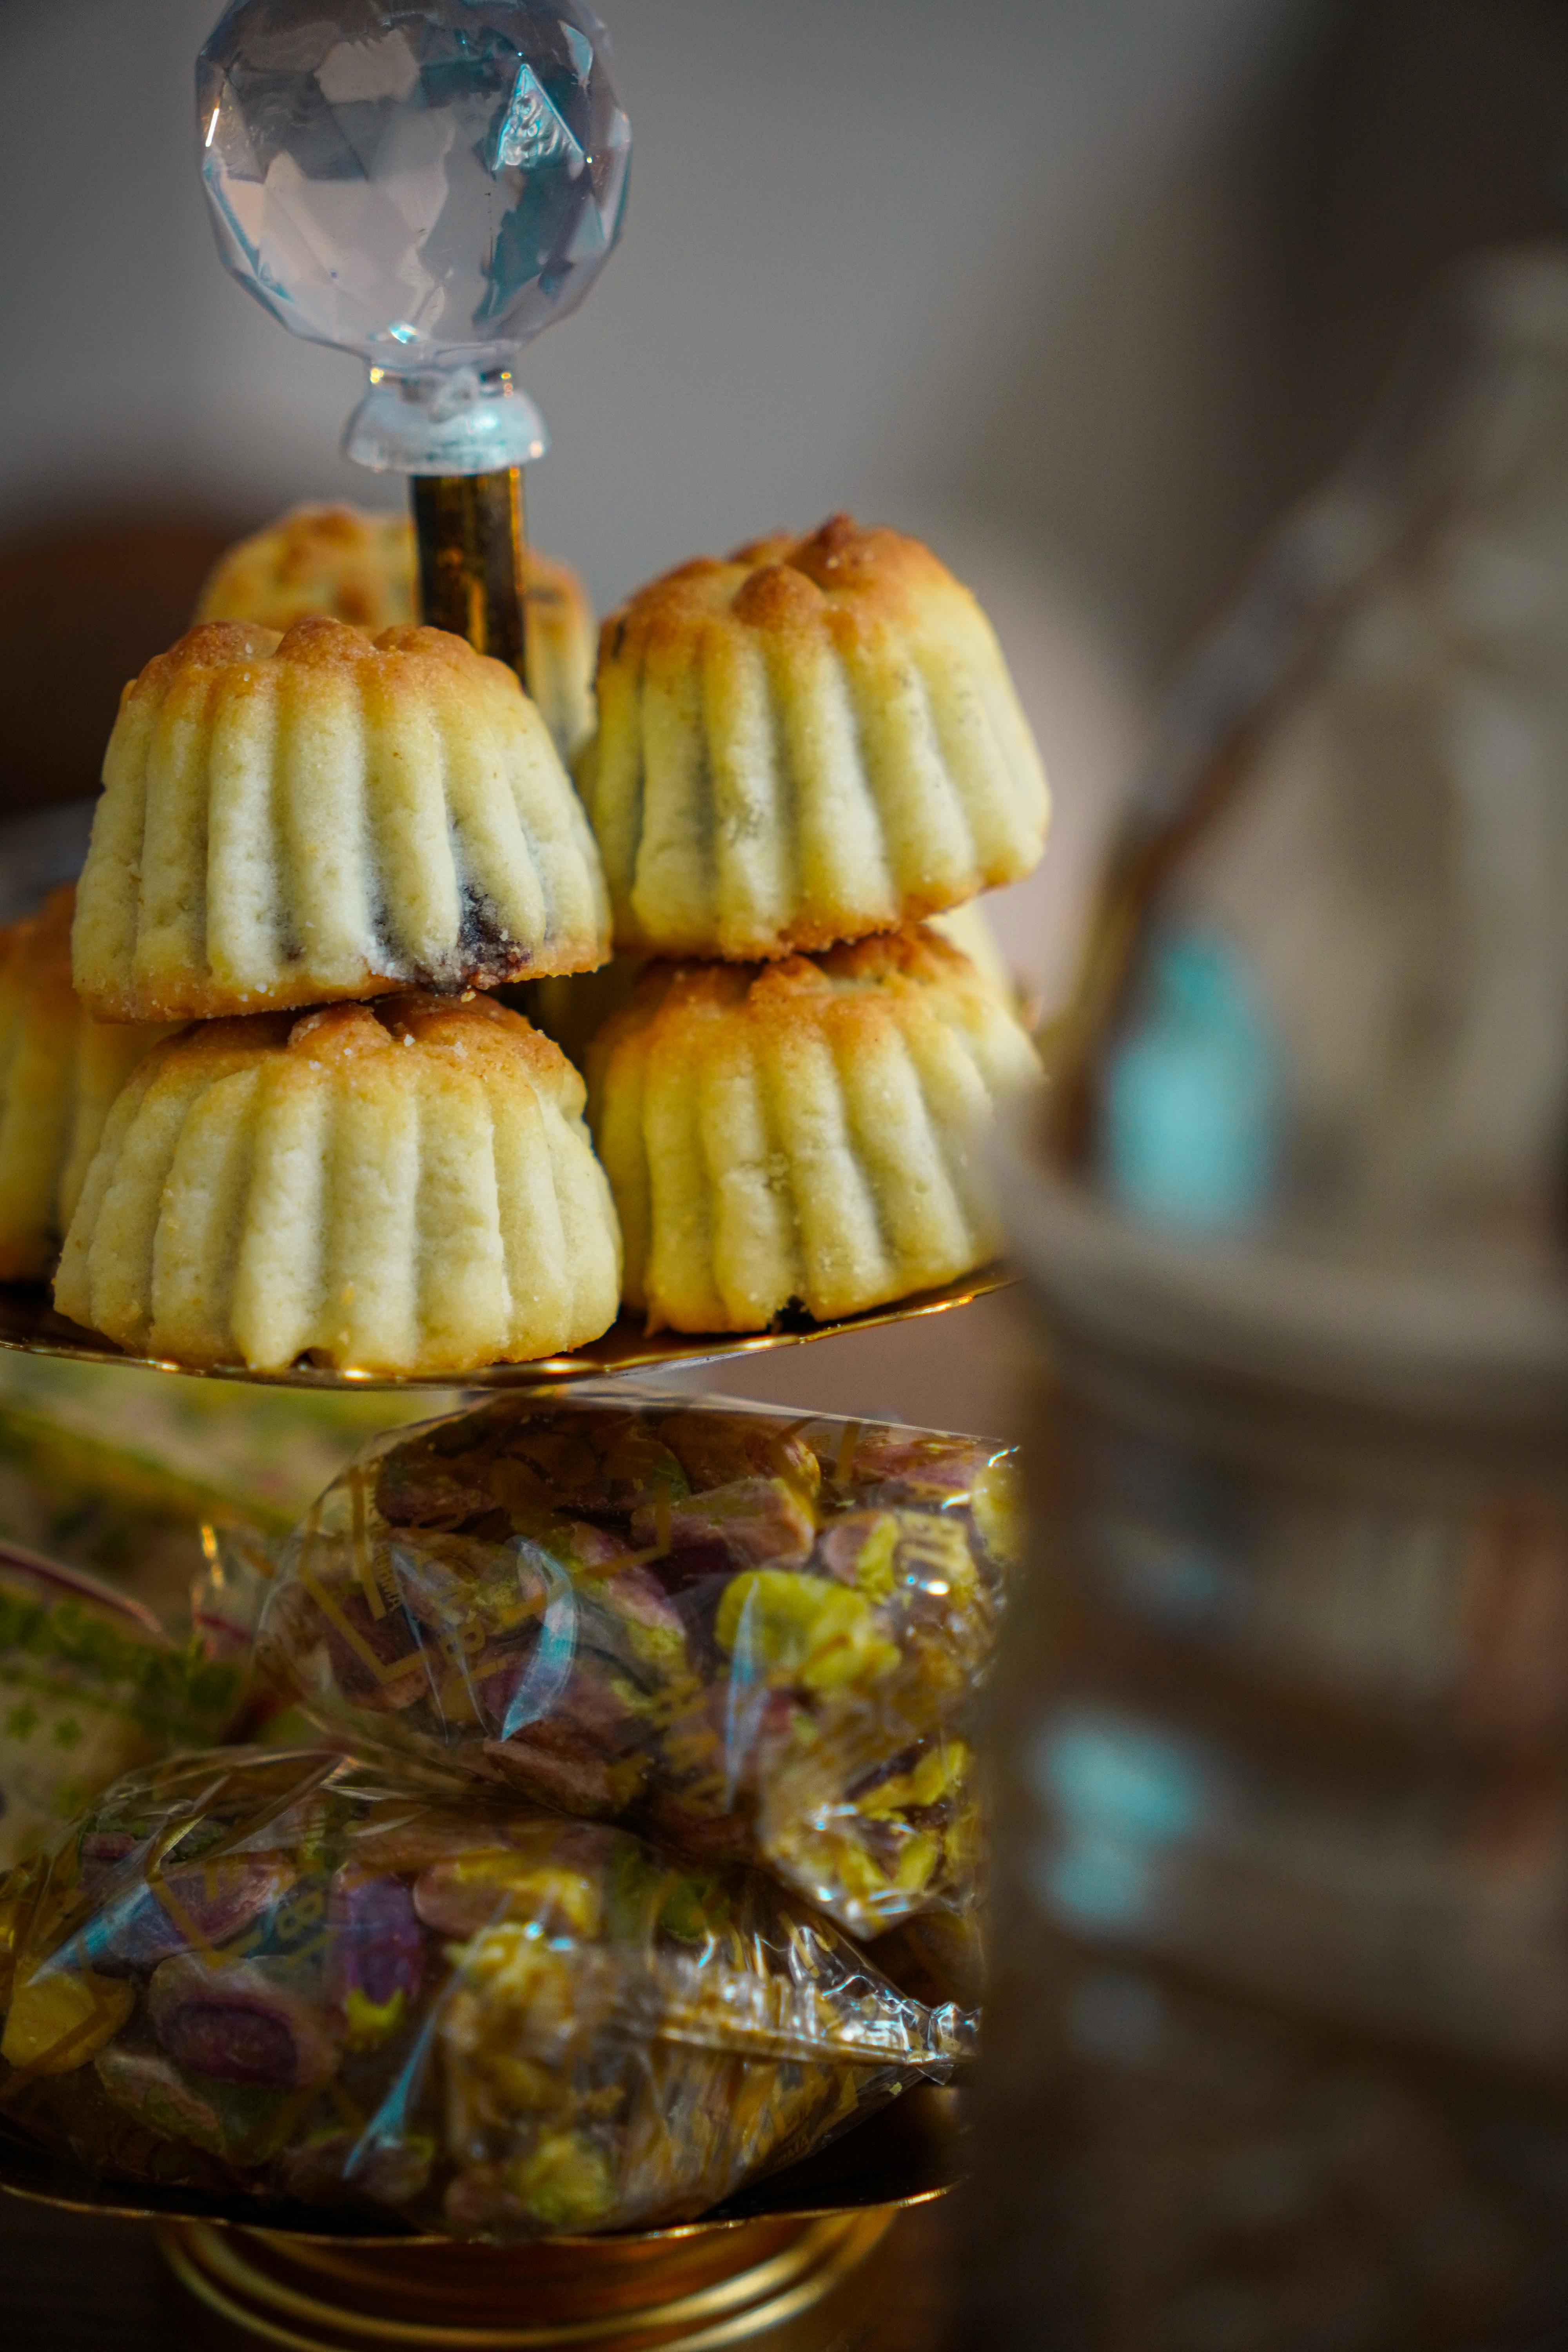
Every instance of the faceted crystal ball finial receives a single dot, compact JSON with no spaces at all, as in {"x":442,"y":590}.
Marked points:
{"x":425,"y":183}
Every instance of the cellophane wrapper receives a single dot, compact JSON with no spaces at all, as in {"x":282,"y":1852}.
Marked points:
{"x":752,"y":1635}
{"x":116,"y":1470}
{"x":91,"y":1685}
{"x":284,"y":1977}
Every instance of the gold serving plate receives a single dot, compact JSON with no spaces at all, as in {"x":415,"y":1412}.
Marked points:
{"x":28,"y":1322}
{"x":779,"y":2267}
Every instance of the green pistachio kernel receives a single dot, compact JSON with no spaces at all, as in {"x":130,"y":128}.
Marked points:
{"x":564,"y":2180}
{"x":803,"y":1629}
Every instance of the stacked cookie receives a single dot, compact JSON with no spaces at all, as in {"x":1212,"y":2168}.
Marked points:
{"x":316,"y":846}
{"x":363,"y":568}
{"x":802,"y":753}
{"x":60,"y":1071}
{"x":324,"y":829}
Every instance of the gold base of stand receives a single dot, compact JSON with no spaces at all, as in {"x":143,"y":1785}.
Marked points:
{"x":782,"y":2284}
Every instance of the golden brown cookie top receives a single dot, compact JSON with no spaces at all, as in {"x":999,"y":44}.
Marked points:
{"x":843,"y":578}
{"x":862,"y":980}
{"x":402,"y":660}
{"x":352,"y":566}
{"x":471,"y":1031}
{"x":338,"y":559}
{"x":916,"y":957}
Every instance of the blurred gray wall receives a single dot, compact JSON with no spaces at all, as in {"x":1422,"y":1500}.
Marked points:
{"x":850,"y":222}
{"x":1115,"y":276}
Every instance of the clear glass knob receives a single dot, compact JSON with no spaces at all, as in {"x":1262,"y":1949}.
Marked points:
{"x":427,"y":185}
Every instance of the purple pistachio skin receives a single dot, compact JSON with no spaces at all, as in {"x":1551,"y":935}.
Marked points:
{"x":746,"y":1525}
{"x":717,"y":1449}
{"x":203,"y":1904}
{"x":392,"y":2173}
{"x":640,"y":1597}
{"x":237,"y":2023}
{"x":553,"y":1763}
{"x":103,"y":1851}
{"x":387,"y":1638}
{"x":147,"y":2087}
{"x":376,"y":1947}
{"x":910,"y":1466}
{"x":838,"y":1552}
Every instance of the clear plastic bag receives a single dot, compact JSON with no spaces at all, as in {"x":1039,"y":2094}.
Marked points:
{"x":91,"y":1686}
{"x":116,"y":1470}
{"x":751,"y":1635}
{"x":283,"y":1976}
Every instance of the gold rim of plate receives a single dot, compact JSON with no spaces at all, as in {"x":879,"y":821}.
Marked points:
{"x":910,"y":2154}
{"x":788,"y":2292}
{"x":29,"y":1324}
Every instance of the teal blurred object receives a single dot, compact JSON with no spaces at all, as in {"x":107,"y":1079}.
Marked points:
{"x":1192,"y":1110}
{"x":1121,"y":1797}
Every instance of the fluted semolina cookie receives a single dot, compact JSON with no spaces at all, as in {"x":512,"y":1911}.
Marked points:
{"x":363,"y":568}
{"x":288,"y":821}
{"x":813,"y":741}
{"x":804,"y":1133}
{"x":574,"y":1008}
{"x":402,"y":1186}
{"x":341,"y":560}
{"x":60,"y":1072}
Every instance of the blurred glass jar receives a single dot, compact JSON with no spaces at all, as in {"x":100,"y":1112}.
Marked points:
{"x":1322,"y":1029}
{"x":1278,"y":2042}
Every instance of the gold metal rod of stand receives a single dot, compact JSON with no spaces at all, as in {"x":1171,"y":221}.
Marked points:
{"x":473,"y":560}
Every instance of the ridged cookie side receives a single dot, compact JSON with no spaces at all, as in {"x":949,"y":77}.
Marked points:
{"x":408,"y":1190}
{"x":804,"y":1137}
{"x":812,"y":742}
{"x":320,"y":817}
{"x":59,"y":1073}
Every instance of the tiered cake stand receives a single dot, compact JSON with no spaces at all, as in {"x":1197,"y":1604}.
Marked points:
{"x":325,"y":129}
